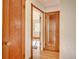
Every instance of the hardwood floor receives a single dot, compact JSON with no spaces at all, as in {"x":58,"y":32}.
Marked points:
{"x":36,"y":49}
{"x":49,"y":55}
{"x":46,"y":54}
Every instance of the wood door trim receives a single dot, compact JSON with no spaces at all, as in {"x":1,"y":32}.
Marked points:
{"x":23,"y":28}
{"x":37,"y":8}
{"x":36,"y":37}
{"x":51,"y":50}
{"x":31,"y":57}
{"x":32,"y":25}
{"x":50,"y":13}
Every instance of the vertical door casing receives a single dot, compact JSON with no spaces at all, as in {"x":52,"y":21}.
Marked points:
{"x":51,"y":39}
{"x":13,"y":29}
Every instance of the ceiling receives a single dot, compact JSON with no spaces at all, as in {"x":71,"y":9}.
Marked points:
{"x":49,"y":3}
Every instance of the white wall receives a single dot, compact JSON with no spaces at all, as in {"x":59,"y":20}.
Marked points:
{"x":53,"y":8}
{"x":28,"y":29}
{"x":68,"y":30}
{"x":38,"y":5}
{"x":42,"y":31}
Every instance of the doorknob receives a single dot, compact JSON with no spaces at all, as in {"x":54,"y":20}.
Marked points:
{"x":7,"y":43}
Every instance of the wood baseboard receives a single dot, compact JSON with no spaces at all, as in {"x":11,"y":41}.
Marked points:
{"x":30,"y":58}
{"x":51,"y":50}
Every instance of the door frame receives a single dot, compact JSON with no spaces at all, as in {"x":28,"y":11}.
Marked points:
{"x":53,"y":12}
{"x":5,"y":12}
{"x":33,"y":6}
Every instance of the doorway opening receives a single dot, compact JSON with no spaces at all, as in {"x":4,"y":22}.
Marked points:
{"x":36,"y":32}
{"x":45,"y":41}
{"x":44,"y":34}
{"x":52,"y":31}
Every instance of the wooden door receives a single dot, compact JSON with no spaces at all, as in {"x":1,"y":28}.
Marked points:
{"x":52,"y":31}
{"x":13,"y":33}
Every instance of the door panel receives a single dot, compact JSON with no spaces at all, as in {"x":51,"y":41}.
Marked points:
{"x":52,"y":31}
{"x":13,"y":29}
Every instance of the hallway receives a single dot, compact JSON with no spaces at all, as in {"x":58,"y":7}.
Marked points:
{"x":45,"y":39}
